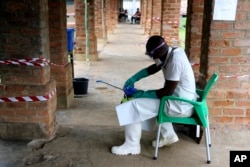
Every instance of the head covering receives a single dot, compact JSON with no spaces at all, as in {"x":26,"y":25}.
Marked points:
{"x":154,"y":42}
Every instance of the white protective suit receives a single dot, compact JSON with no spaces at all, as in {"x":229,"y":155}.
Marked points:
{"x":175,"y":68}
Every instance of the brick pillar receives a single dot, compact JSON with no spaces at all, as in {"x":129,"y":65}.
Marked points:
{"x":229,"y":57}
{"x":162,"y":18}
{"x":196,"y":33}
{"x":61,"y":69}
{"x":80,"y":31}
{"x":108,"y":17}
{"x":100,"y":17}
{"x":114,"y":13}
{"x":111,"y":15}
{"x":171,"y":21}
{"x":144,"y":14}
{"x":148,"y":15}
{"x":156,"y":17}
{"x":24,"y":34}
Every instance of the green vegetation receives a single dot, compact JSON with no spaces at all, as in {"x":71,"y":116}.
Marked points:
{"x":182,"y":31}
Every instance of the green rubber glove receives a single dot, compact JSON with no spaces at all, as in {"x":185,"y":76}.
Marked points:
{"x":145,"y":94}
{"x":139,"y":75}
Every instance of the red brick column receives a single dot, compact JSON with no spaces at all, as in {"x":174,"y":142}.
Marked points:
{"x":80,"y":31}
{"x":162,"y":18}
{"x":111,"y":15}
{"x":61,"y":69}
{"x":110,"y":18}
{"x":100,"y":17}
{"x":229,"y":100}
{"x":196,"y":33}
{"x":171,"y":21}
{"x":156,"y":18}
{"x":144,"y":13}
{"x":25,"y":37}
{"x":148,"y":15}
{"x":229,"y":56}
{"x":114,"y":13}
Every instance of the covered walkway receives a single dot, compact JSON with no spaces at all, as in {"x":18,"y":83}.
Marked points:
{"x":87,"y":131}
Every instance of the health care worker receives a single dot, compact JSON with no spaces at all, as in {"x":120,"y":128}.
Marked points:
{"x":140,"y":112}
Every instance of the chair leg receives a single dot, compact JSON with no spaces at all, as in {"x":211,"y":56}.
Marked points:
{"x":198,"y":131}
{"x":207,"y":145}
{"x":157,"y":142}
{"x":208,"y":128}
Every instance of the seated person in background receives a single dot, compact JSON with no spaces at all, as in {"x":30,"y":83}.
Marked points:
{"x":126,"y":14}
{"x":136,"y":16}
{"x":122,"y":14}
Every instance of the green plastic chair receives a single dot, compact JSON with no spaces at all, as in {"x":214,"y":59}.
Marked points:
{"x":199,"y":118}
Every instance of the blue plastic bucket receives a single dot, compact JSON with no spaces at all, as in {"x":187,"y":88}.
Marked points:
{"x":70,"y":35}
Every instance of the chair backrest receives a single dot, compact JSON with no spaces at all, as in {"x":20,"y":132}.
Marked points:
{"x":202,"y":109}
{"x":209,"y":85}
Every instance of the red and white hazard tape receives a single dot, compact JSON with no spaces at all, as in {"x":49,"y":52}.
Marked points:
{"x":195,"y":64}
{"x":28,"y":98}
{"x":229,"y":76}
{"x":158,"y":19}
{"x":38,"y":62}
{"x":234,"y":76}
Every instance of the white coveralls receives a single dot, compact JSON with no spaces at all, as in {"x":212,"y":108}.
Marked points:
{"x":145,"y":110}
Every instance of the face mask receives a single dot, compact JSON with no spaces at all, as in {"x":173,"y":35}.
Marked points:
{"x":158,"y":62}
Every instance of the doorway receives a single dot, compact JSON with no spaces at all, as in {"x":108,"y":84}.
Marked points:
{"x":131,"y":6}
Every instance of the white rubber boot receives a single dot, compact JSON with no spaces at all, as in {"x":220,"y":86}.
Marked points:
{"x":168,"y":135}
{"x":132,"y":141}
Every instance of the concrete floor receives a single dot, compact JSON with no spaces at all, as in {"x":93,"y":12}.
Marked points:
{"x":89,"y":128}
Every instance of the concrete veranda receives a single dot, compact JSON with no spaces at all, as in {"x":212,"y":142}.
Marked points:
{"x":89,"y":128}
